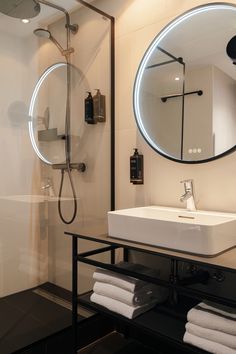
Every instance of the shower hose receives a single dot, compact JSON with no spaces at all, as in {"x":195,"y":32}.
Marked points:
{"x":60,"y":195}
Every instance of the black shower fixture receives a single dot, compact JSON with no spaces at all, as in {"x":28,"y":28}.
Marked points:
{"x":231,"y":49}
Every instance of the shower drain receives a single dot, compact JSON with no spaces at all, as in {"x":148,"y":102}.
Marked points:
{"x":61,"y":302}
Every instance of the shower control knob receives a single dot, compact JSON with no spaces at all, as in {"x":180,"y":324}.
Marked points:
{"x":81,"y":167}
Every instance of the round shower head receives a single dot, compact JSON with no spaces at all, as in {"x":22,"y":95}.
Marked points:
{"x":231,"y":49}
{"x":20,"y":9}
{"x":40,"y":32}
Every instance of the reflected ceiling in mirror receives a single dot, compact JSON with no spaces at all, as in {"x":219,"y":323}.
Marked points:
{"x":185,"y":88}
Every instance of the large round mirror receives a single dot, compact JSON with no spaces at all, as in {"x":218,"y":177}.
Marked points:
{"x":185,"y":88}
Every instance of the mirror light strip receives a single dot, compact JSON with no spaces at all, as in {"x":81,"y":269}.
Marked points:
{"x":154,"y":44}
{"x":32,"y":106}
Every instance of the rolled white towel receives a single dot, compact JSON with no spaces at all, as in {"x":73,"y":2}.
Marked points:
{"x":212,"y":318}
{"x":205,"y":344}
{"x":124,"y":281}
{"x":210,"y":334}
{"x":140,"y":297}
{"x":121,"y":308}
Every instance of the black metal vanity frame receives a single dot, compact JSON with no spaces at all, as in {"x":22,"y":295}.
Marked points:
{"x":157,"y":323}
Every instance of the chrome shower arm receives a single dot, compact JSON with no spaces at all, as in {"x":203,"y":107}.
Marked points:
{"x":69,"y":26}
{"x":57,"y":7}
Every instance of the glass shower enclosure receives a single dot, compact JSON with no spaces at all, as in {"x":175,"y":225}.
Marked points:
{"x":35,"y":255}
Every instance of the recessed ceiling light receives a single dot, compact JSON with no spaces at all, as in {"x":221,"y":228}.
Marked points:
{"x":25,"y":20}
{"x":177,"y":78}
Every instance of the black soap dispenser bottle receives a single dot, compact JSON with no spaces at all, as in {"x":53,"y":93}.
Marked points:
{"x":88,"y":110}
{"x":136,"y":168}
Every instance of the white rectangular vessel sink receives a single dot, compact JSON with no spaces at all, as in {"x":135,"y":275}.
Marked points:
{"x":200,"y":232}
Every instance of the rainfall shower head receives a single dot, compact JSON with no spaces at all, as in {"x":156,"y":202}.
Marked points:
{"x":43,"y":33}
{"x":20,"y":8}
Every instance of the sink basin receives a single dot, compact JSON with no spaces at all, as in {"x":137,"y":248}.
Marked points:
{"x":200,"y":232}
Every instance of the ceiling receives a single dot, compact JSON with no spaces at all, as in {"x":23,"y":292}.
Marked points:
{"x":15,"y":27}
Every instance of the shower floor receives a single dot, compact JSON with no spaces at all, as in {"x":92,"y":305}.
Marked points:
{"x":31,"y":315}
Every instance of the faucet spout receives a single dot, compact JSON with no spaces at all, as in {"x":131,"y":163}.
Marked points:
{"x":188,"y":195}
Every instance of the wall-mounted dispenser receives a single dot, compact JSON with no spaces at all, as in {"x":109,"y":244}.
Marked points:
{"x":99,"y":107}
{"x":88,"y":110}
{"x":136,"y":168}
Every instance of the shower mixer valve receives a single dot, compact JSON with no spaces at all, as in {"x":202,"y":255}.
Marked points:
{"x":81,"y":167}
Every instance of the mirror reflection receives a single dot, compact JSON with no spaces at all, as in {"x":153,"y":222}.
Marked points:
{"x":185,"y":91}
{"x":48,"y":113}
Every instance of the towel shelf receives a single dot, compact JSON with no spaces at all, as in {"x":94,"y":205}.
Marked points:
{"x":165,"y":323}
{"x":156,"y":322}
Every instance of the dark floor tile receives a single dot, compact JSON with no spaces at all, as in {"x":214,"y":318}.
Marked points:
{"x":51,"y":314}
{"x":28,"y":317}
{"x":25,"y":332}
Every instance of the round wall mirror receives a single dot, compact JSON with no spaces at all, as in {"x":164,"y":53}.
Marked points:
{"x":185,"y":88}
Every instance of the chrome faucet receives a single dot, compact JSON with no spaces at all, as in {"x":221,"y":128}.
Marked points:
{"x":188,"y":194}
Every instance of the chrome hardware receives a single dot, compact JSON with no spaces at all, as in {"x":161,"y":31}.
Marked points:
{"x":188,"y":194}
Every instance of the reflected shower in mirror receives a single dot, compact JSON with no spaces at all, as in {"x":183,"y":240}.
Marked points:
{"x":185,"y":89}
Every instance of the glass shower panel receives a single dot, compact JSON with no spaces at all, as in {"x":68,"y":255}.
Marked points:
{"x":35,"y":255}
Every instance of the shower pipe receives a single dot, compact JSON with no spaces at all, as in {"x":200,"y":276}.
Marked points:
{"x":73,"y":29}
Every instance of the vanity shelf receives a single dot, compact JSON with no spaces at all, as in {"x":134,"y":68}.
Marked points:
{"x":164,"y":327}
{"x":165,"y":323}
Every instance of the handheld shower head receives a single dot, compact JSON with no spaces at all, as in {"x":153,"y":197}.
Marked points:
{"x":40,"y":32}
{"x":43,"y":33}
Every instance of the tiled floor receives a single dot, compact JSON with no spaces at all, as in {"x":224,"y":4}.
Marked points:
{"x":27,"y":317}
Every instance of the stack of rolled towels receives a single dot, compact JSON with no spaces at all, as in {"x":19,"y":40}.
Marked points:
{"x":126,"y":295}
{"x":212,"y":327}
